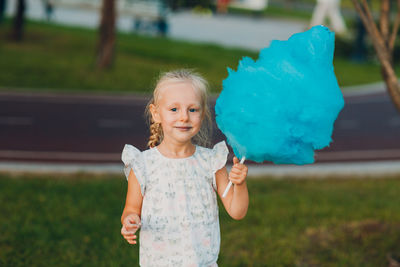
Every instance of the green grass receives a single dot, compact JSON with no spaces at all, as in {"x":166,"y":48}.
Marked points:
{"x":358,"y":73}
{"x":289,"y":13}
{"x":75,"y":221}
{"x":60,"y":58}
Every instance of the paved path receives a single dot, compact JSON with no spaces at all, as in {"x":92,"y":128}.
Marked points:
{"x":93,"y":129}
{"x":318,"y":170}
{"x":226,"y":30}
{"x":232,"y":31}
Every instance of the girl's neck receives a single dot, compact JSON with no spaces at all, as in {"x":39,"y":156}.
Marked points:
{"x":178,"y":150}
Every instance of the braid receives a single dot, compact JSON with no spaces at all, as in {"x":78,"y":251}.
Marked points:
{"x":155,"y":134}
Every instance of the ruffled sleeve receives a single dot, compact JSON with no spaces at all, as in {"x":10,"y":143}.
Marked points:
{"x":133,"y":159}
{"x":219,"y":155}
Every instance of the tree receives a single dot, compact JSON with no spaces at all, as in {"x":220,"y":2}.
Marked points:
{"x":19,"y":21}
{"x":2,"y":9}
{"x":383,"y":40}
{"x":106,"y":43}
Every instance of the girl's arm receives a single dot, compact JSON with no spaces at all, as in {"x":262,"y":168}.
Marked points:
{"x":236,"y":201}
{"x":130,"y":218}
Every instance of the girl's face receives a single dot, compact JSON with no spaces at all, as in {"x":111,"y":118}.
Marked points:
{"x":179,"y":112}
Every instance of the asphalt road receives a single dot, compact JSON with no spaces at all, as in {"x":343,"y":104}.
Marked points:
{"x":93,"y":129}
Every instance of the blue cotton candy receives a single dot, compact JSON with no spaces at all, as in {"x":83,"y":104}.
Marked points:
{"x":283,"y":106}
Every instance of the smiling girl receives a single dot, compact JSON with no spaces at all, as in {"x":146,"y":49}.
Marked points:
{"x":172,"y":186}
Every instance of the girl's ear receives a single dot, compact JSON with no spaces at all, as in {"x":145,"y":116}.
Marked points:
{"x":154,"y":113}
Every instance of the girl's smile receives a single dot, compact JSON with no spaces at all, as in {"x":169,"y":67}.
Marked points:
{"x":182,"y":128}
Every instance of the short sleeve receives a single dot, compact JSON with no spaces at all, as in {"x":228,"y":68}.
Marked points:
{"x":133,"y":159}
{"x":219,"y":155}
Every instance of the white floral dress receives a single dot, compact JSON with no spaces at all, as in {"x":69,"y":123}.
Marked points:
{"x":180,"y":224}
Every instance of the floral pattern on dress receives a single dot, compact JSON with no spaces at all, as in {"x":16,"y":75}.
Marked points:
{"x":180,"y":222}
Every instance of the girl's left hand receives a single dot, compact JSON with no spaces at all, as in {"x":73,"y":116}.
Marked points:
{"x":238,"y":173}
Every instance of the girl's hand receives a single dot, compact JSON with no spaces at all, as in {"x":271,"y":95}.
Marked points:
{"x":238,"y":172}
{"x":130,"y":225}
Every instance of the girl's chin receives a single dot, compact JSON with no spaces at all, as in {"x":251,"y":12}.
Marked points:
{"x":183,"y":137}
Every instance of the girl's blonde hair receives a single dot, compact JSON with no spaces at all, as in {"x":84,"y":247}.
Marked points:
{"x":200,"y":85}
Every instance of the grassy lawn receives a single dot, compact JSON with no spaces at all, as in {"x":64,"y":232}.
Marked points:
{"x":74,"y":221}
{"x":62,"y":59}
{"x":303,"y":9}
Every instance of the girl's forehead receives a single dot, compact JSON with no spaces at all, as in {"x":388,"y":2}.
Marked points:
{"x":178,"y":92}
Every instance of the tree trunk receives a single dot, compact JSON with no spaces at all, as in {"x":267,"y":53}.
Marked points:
{"x":2,"y":10}
{"x":392,"y":85}
{"x":106,"y":43}
{"x":383,"y":41}
{"x":19,"y":19}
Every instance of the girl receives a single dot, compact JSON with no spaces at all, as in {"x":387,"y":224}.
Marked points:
{"x":172,"y":186}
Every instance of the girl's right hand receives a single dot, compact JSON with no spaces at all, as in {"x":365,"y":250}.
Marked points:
{"x":130,"y":225}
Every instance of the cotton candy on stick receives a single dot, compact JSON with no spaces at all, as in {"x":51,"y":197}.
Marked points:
{"x":283,"y":106}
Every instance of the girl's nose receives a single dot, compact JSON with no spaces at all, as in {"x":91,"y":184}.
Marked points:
{"x":184,"y":115}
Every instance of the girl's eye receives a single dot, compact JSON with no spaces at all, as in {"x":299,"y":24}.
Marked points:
{"x":193,"y":110}
{"x":173,"y":109}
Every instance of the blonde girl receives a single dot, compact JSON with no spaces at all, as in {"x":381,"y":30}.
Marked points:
{"x":172,"y":186}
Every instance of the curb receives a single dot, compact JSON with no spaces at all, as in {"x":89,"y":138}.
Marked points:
{"x":322,"y":170}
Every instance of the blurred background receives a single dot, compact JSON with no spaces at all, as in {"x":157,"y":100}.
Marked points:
{"x":76,"y":75}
